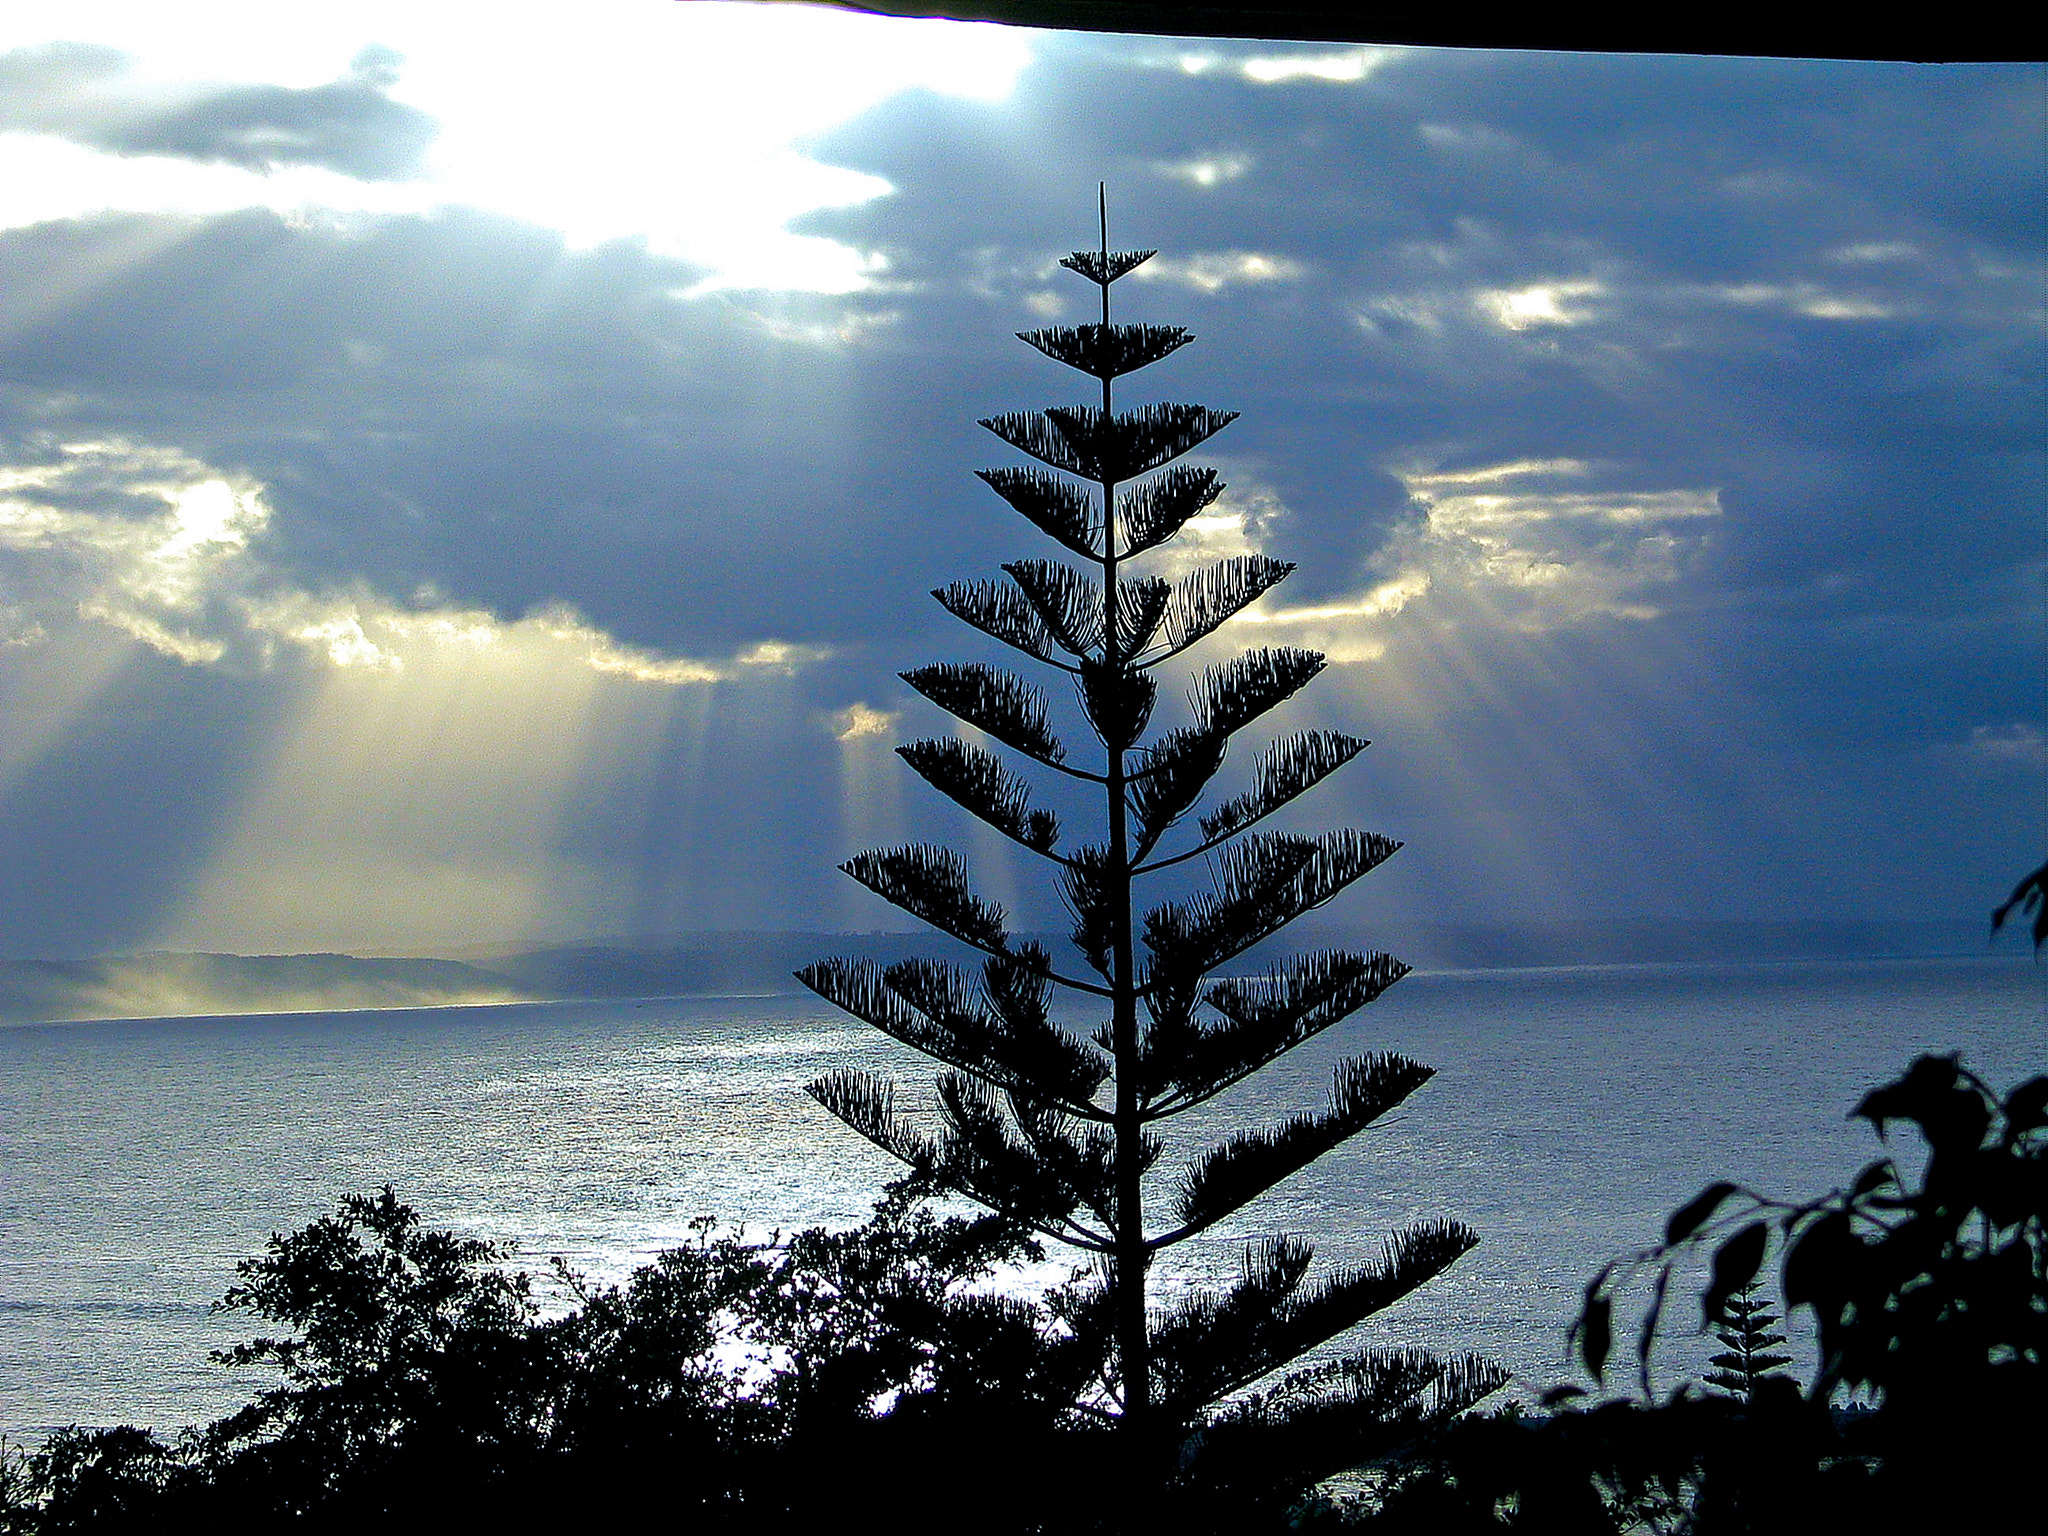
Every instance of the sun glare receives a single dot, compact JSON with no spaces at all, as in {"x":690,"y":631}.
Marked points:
{"x":683,"y":126}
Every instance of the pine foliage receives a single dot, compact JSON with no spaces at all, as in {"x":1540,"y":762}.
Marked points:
{"x":1206,"y":598}
{"x":978,"y":781}
{"x":1107,"y":351}
{"x":1001,"y":610}
{"x":1056,"y":507}
{"x":1055,"y":1131}
{"x":995,"y":701}
{"x":931,"y":884}
{"x":1747,"y":1342}
{"x":1154,"y":512}
{"x":1288,"y":768}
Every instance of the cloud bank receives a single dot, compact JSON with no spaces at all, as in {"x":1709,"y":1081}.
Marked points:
{"x":1657,"y":441}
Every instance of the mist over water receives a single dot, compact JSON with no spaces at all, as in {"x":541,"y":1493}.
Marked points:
{"x":1573,"y":1109}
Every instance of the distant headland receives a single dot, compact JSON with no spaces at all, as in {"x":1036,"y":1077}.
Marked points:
{"x":161,"y":984}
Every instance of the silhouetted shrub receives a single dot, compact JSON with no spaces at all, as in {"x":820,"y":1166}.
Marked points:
{"x":1930,"y":1304}
{"x":728,"y":1383}
{"x":733,"y":1384}
{"x":1929,"y":1297}
{"x":1702,"y":1465}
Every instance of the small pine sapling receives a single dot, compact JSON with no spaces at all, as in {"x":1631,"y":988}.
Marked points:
{"x":1747,"y":1340}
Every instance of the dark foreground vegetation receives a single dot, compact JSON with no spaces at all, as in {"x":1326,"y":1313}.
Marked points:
{"x":1929,"y":1299}
{"x":415,"y":1382}
{"x":728,"y":1384}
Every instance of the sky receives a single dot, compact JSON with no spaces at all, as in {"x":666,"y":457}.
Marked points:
{"x":473,"y":473}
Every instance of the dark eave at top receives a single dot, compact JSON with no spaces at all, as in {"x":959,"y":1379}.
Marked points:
{"x":1955,"y":34}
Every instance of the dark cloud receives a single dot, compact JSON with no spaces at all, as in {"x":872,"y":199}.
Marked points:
{"x":1808,"y":291}
{"x":1807,"y":285}
{"x":87,"y":93}
{"x":460,"y":402}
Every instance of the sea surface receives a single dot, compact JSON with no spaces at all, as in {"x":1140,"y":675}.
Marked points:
{"x":1572,"y":1110}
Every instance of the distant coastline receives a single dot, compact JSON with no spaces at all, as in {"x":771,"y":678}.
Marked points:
{"x":175,"y":985}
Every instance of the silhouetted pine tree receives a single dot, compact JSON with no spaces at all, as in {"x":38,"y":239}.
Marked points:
{"x":1746,"y":1343}
{"x":1056,"y":1131}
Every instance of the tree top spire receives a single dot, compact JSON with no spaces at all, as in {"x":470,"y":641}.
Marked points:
{"x":1103,"y":265}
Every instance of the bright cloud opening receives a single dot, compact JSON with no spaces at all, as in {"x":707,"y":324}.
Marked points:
{"x":1541,"y":304}
{"x":1539,"y":554}
{"x":1809,"y":300}
{"x":1213,"y":271}
{"x":859,"y":719}
{"x":1206,"y":170}
{"x":1507,"y":547}
{"x":2017,"y":744}
{"x":679,"y":125}
{"x":1346,"y":68}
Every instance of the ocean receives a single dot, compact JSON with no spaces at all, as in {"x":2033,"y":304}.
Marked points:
{"x":1572,"y":1110}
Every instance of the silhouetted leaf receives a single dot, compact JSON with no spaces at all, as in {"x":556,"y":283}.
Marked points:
{"x":1005,"y":1040}
{"x":931,"y":883}
{"x":2030,"y":895}
{"x":1596,"y":1335}
{"x":1019,"y":996}
{"x":1263,"y":883}
{"x":1086,"y":895}
{"x":1207,"y":597}
{"x":1285,"y":770}
{"x":1408,"y":1260}
{"x":1168,"y":777}
{"x":1141,"y":605}
{"x":1690,"y":1217}
{"x":1252,"y":1162}
{"x":1646,"y":1337}
{"x":2026,"y":1107}
{"x":1264,"y":1017}
{"x":979,"y":782}
{"x":1735,"y":1265}
{"x":1000,"y":610}
{"x":1068,"y":603}
{"x":1204,"y":1340}
{"x":986,"y":1155}
{"x":867,"y":1104}
{"x":856,"y":986}
{"x":1230,"y":697}
{"x":1875,"y":1176}
{"x":1212,"y":1344}
{"x":1917,"y":1096}
{"x":1034,"y":433}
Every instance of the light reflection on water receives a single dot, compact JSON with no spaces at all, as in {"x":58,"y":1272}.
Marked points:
{"x":1573,"y":1110}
